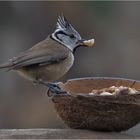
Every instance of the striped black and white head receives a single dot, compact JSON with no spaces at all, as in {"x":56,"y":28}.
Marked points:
{"x":67,"y":35}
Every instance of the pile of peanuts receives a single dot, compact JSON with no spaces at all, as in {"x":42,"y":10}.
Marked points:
{"x":113,"y":90}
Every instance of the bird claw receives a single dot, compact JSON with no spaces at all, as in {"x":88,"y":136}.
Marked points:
{"x":54,"y":89}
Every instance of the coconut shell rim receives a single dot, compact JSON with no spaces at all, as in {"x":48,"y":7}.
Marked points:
{"x":104,"y":98}
{"x":98,"y":78}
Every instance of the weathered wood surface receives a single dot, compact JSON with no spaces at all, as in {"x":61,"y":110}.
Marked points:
{"x":60,"y":134}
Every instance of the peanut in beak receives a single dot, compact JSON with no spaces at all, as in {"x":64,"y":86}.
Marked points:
{"x":89,"y":42}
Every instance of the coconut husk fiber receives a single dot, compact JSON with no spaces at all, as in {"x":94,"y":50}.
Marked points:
{"x":103,"y":113}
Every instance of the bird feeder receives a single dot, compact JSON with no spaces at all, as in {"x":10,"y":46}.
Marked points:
{"x":80,"y":110}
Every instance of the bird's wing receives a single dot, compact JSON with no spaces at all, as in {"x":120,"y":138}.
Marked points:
{"x":40,"y":56}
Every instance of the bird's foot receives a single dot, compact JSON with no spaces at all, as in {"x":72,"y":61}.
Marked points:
{"x":53,"y":88}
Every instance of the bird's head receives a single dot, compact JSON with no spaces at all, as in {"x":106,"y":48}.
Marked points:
{"x":68,"y":36}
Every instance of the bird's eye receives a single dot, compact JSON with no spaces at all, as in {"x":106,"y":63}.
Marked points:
{"x":72,"y":36}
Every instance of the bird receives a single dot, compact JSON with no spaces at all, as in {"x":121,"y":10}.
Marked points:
{"x":50,"y":59}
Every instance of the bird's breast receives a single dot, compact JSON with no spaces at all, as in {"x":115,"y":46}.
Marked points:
{"x":57,"y":70}
{"x":50,"y":72}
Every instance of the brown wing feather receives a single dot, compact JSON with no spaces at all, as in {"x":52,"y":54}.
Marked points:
{"x":45,"y":52}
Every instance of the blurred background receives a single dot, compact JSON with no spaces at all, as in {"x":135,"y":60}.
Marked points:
{"x":115,"y":27}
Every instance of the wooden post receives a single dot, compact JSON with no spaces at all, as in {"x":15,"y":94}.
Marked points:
{"x":60,"y":134}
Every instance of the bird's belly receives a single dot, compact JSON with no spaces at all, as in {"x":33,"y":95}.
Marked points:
{"x":54,"y":72}
{"x":50,"y":72}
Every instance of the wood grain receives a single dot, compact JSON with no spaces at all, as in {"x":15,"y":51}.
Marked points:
{"x":60,"y":134}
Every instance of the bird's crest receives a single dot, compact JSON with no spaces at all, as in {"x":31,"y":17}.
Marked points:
{"x":62,"y":23}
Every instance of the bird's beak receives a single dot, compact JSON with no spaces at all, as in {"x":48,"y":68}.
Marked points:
{"x":87,"y":43}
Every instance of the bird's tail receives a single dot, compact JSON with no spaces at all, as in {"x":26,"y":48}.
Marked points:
{"x":7,"y":65}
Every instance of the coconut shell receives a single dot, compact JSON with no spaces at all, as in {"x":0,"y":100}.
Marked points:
{"x":80,"y":110}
